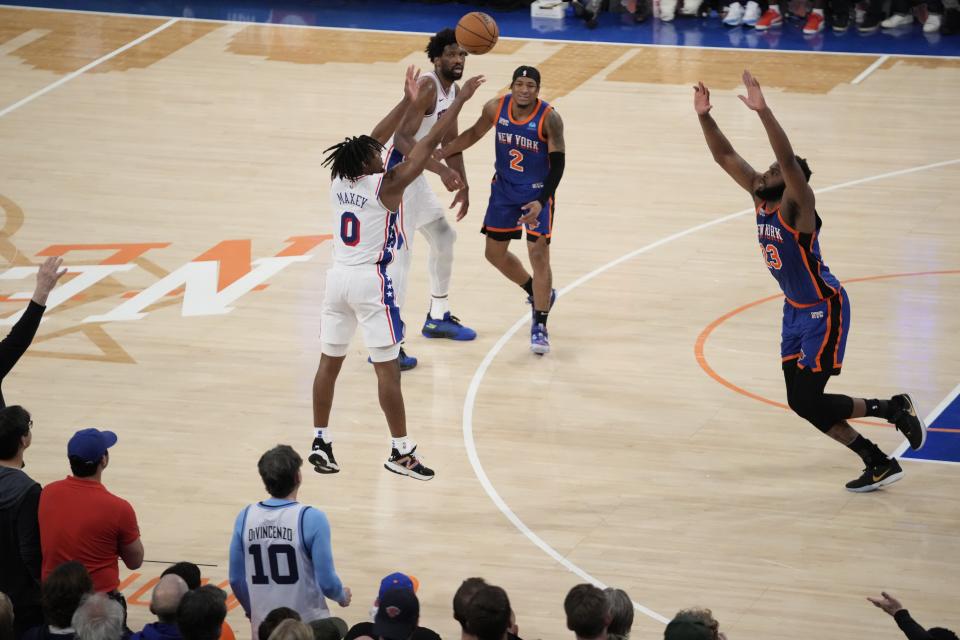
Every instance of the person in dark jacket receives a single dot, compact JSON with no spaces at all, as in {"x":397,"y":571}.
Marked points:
{"x":20,"y":337}
{"x":905,"y":621}
{"x":63,"y":590}
{"x":163,"y":603}
{"x":19,"y":531}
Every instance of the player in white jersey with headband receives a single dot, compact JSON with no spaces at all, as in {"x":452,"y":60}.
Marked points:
{"x":366,"y":206}
{"x":422,"y":210}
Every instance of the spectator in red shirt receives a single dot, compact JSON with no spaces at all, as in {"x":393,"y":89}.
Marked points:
{"x":80,"y":520}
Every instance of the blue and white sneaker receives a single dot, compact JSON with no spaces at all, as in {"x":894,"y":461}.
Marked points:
{"x":553,"y":299}
{"x":448,"y":327}
{"x":406,"y":362}
{"x":539,"y":340}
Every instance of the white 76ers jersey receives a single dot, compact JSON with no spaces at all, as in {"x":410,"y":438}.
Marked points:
{"x":278,"y":570}
{"x":364,"y":232}
{"x":444,"y":100}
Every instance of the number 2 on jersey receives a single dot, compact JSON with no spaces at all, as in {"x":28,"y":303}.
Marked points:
{"x":290,"y":574}
{"x":516,"y":157}
{"x":772,"y":257}
{"x":350,"y":228}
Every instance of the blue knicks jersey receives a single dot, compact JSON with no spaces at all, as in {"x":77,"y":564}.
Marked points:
{"x":794,"y":259}
{"x":522,"y":160}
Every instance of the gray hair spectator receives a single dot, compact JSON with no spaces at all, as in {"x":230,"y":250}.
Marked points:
{"x":20,"y":559}
{"x":98,"y":618}
{"x":489,"y":615}
{"x":273,"y":620}
{"x":164,"y":603}
{"x":20,"y":337}
{"x":621,"y":613}
{"x":693,"y":624}
{"x":63,"y":590}
{"x":201,"y":613}
{"x":910,"y":627}
{"x":588,"y":614}
{"x":291,"y":629}
{"x":6,"y":617}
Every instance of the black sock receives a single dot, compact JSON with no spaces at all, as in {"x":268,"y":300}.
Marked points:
{"x":540,"y":317}
{"x":870,"y":453}
{"x":528,"y":286}
{"x":880,"y":408}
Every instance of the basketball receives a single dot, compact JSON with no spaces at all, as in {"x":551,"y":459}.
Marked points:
{"x":477,"y":32}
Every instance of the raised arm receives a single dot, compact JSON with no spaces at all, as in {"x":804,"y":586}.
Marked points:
{"x":386,"y":127}
{"x":721,"y":149}
{"x":397,"y":179}
{"x":404,"y":140}
{"x":488,"y":117}
{"x":797,"y":187}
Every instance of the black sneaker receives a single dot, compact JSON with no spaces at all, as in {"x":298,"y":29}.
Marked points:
{"x":870,"y":24}
{"x":321,"y":457}
{"x":407,"y":465}
{"x":908,"y":422}
{"x":840,"y":22}
{"x":876,"y":476}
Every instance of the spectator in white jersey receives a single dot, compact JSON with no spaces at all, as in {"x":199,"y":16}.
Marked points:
{"x":280,"y":554}
{"x":366,"y":204}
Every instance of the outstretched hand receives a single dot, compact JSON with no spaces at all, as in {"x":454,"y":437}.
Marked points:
{"x":47,"y":277}
{"x":411,"y":84}
{"x":470,"y":87}
{"x":701,"y":99}
{"x":754,"y":98}
{"x":886,"y":602}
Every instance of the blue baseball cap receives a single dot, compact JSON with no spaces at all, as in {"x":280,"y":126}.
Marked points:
{"x":90,"y":444}
{"x":398,"y":581}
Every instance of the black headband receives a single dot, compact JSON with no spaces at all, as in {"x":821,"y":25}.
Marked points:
{"x":527,"y":72}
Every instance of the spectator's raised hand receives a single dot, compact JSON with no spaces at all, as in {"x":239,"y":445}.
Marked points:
{"x":50,"y":272}
{"x":701,"y":99}
{"x":886,"y":602}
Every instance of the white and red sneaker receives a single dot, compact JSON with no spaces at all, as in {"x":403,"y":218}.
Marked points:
{"x":770,"y":18}
{"x":814,"y":23}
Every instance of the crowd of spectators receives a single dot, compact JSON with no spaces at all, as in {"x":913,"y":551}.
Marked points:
{"x":60,"y":548}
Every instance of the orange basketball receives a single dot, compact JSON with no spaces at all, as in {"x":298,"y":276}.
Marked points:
{"x":477,"y":32}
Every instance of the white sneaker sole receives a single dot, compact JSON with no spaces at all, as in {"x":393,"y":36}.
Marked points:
{"x":540,"y":349}
{"x":401,"y":470}
{"x":873,"y":487}
{"x":321,"y":464}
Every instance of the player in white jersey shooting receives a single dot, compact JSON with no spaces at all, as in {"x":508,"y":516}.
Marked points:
{"x":367,"y":208}
{"x":422,"y":210}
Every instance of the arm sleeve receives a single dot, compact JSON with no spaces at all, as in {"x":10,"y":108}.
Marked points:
{"x":909,"y":626}
{"x":557,"y":161}
{"x":28,"y":532}
{"x":20,"y":337}
{"x":316,"y":538}
{"x":238,"y":566}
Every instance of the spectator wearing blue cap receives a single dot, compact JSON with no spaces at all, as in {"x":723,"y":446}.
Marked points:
{"x":391,"y":583}
{"x":80,"y":520}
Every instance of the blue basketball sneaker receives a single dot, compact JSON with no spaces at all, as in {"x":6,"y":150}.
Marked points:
{"x":553,"y":299}
{"x":406,"y":362}
{"x":448,"y":327}
{"x":539,"y":340}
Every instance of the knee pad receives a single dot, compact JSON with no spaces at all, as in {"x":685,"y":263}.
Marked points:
{"x":384,"y":354}
{"x":333,"y":350}
{"x":822,"y":410}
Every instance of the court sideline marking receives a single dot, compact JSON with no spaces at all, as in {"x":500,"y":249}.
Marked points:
{"x":873,"y":67}
{"x":70,"y":76}
{"x":475,"y":382}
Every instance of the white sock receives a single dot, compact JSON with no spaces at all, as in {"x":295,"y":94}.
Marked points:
{"x":404,"y":445}
{"x":439,"y":305}
{"x":323,"y":433}
{"x":818,"y":11}
{"x":774,"y":8}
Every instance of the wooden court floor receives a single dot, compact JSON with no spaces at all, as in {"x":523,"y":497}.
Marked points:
{"x":627,"y":452}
